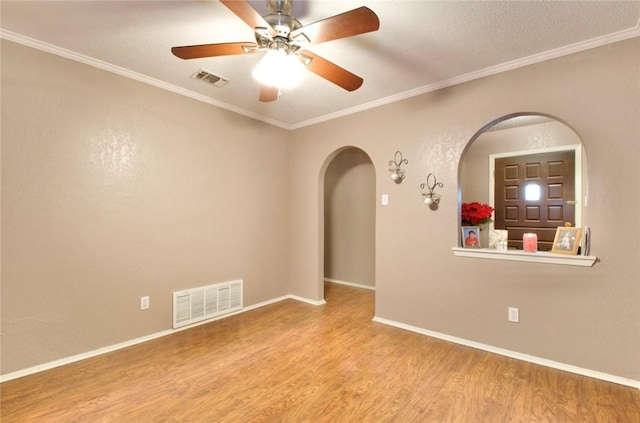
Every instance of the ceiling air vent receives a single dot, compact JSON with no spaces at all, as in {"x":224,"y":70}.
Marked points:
{"x":208,"y":77}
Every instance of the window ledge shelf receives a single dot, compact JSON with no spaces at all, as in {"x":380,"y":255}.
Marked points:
{"x":519,"y":255}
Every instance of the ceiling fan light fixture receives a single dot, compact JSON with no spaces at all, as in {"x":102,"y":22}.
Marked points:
{"x":286,"y":40}
{"x":279,"y":69}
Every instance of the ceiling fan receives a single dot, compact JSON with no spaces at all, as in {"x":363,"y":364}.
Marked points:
{"x":283,"y":37}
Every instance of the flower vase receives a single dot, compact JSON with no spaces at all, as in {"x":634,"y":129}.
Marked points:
{"x":477,"y":214}
{"x":484,"y":236}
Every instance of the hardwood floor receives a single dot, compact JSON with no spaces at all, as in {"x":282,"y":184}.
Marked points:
{"x":294,"y":362}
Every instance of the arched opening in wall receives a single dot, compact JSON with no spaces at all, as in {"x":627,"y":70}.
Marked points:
{"x":531,"y":168}
{"x":349,"y":219}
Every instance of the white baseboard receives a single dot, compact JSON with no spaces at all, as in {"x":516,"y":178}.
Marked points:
{"x":355,"y":285}
{"x":78,"y":357}
{"x":507,"y":353}
{"x":306,"y":300}
{"x":512,"y":354}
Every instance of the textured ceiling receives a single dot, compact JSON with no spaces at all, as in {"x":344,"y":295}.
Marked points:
{"x":420,"y":46}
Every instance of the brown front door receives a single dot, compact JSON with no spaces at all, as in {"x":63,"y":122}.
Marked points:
{"x":535,"y":193}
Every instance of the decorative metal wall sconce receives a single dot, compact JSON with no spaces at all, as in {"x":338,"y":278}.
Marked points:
{"x":397,"y":174}
{"x":431,"y":199}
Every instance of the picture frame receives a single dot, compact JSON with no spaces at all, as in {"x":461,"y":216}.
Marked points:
{"x":498,"y":239}
{"x":567,"y":240}
{"x":471,"y":236}
{"x":586,"y":241}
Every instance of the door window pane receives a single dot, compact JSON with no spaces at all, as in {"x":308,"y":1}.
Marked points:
{"x":532,"y":192}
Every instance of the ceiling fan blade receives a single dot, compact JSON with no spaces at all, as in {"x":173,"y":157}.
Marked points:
{"x":269,"y":93}
{"x":332,"y":72}
{"x":355,"y":22}
{"x":211,"y":50}
{"x":248,"y":14}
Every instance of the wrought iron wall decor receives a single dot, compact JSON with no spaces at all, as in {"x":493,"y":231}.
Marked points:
{"x":397,"y":173}
{"x":431,"y":198}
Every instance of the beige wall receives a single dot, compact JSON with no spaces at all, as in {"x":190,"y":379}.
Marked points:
{"x":350,"y":218}
{"x":112,"y":190}
{"x":586,"y":317}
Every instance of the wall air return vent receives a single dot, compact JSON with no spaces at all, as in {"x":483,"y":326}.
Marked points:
{"x":206,"y":302}
{"x":210,"y":78}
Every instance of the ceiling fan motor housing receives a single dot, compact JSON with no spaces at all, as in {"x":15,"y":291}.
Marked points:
{"x":280,"y":19}
{"x":279,"y":6}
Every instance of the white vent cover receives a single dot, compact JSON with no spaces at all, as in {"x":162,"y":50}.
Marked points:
{"x":206,"y":302}
{"x":210,"y":78}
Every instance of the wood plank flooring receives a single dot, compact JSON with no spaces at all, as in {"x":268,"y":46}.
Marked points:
{"x":294,"y":362}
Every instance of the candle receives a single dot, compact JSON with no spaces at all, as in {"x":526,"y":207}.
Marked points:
{"x":530,"y":243}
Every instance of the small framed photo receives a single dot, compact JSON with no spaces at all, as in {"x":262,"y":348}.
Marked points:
{"x":471,"y":236}
{"x":498,"y":239}
{"x":567,"y":240}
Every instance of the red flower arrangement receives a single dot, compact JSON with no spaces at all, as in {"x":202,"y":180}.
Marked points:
{"x":473,"y":214}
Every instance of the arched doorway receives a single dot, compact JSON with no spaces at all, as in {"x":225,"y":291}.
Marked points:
{"x":349,"y":219}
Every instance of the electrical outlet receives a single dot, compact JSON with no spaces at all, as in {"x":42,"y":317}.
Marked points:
{"x":144,"y":303}
{"x":514,"y":315}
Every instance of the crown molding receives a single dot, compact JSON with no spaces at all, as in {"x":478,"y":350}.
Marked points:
{"x":493,"y":70}
{"x":68,"y":54}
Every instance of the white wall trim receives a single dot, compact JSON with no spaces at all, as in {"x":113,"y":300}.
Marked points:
{"x":520,"y":255}
{"x":307,"y":300}
{"x":87,"y":60}
{"x":513,"y":354}
{"x":89,"y":354}
{"x":507,"y":353}
{"x":78,"y":357}
{"x":353,"y":284}
{"x":492,"y":70}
